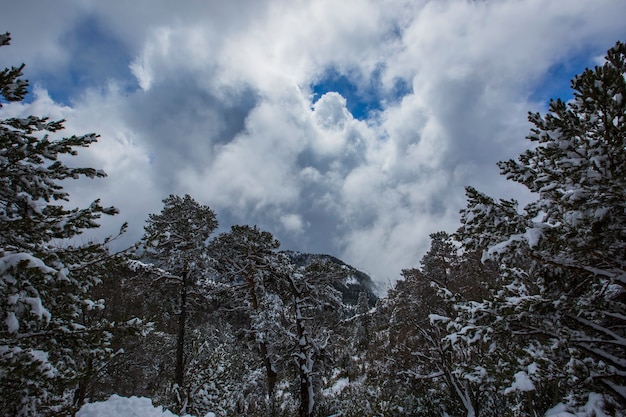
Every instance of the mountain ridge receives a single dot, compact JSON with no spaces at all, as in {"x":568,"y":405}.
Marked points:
{"x":355,"y":281}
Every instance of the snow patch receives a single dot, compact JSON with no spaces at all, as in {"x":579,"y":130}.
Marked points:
{"x":37,"y":308}
{"x":533,"y":235}
{"x":560,"y":410}
{"x":12,"y":260}
{"x":593,"y":408}
{"x":117,"y":406}
{"x":434,"y":318}
{"x":337,"y":387}
{"x":352,"y":280}
{"x":522,"y":383}
{"x":11,"y":321}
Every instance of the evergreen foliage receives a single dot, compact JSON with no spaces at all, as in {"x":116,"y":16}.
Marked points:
{"x":175,"y":243}
{"x":315,"y":303}
{"x":248,"y":262}
{"x":48,"y":347}
{"x":558,"y":316}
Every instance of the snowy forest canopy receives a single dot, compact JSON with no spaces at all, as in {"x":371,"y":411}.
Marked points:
{"x":520,"y":312}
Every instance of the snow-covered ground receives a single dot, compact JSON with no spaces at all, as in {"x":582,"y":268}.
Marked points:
{"x":117,"y":406}
{"x":593,"y":408}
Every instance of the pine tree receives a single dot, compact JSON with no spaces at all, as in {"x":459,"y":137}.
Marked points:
{"x":425,"y":360}
{"x":316,"y":304}
{"x":560,"y":302}
{"x":247,"y":260}
{"x":175,"y":246}
{"x":46,"y":346}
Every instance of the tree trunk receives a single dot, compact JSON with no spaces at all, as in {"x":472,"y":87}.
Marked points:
{"x":269,"y":368}
{"x":179,"y":375}
{"x":303,"y":359}
{"x":81,"y":391}
{"x":304,"y":362}
{"x":272,"y":376}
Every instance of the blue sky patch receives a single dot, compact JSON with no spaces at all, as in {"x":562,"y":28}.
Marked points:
{"x":361,"y":98}
{"x":556,"y":83}
{"x":96,"y":57}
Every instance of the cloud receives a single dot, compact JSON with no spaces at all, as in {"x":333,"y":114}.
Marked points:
{"x":330,"y":111}
{"x":227,"y":101}
{"x":292,"y":223}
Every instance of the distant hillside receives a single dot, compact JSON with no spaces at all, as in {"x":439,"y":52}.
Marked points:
{"x":350,"y":287}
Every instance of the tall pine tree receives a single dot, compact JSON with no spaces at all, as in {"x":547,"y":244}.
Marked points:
{"x":248,"y":262}
{"x":561,"y":303}
{"x":175,"y":243}
{"x":46,"y":347}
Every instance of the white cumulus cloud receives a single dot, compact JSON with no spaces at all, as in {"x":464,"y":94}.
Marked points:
{"x":216,"y":99}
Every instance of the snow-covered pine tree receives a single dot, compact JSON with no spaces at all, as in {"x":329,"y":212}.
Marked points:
{"x":247,"y":260}
{"x":316,"y":307}
{"x":423,"y":358}
{"x":45,"y":345}
{"x":559,"y":315}
{"x":175,"y":245}
{"x":441,"y":259}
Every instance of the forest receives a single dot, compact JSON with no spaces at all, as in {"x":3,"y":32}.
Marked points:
{"x":519,"y":312}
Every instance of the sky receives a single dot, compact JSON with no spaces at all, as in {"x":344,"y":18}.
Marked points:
{"x":342,"y":127}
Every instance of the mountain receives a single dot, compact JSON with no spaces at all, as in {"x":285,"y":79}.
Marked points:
{"x":355,"y":281}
